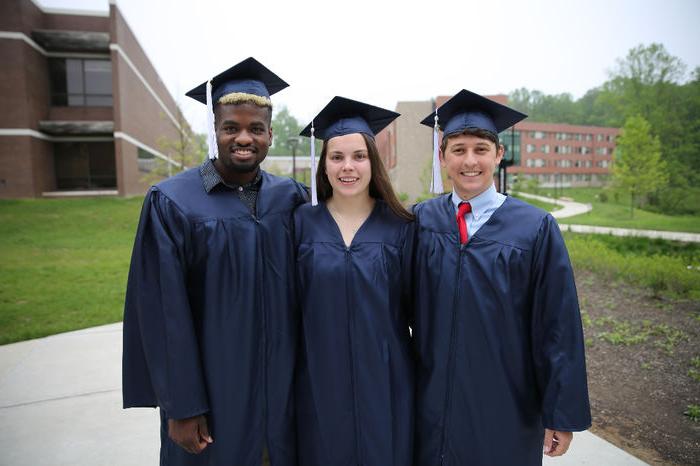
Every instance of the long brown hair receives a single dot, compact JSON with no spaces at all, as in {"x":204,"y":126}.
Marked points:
{"x":379,"y":185}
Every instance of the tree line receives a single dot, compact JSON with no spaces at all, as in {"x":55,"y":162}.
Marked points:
{"x":656,"y":102}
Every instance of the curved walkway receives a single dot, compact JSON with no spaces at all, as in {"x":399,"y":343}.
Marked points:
{"x":571,"y":208}
{"x":60,"y":404}
{"x":568,"y":208}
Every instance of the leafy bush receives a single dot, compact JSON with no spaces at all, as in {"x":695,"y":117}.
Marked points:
{"x":659,"y":271}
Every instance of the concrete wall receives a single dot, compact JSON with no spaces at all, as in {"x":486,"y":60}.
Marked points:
{"x":414,"y":149}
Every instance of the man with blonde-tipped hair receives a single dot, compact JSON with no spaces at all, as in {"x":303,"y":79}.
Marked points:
{"x":210,"y":329}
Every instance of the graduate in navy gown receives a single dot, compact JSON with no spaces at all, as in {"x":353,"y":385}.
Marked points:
{"x":355,"y":377}
{"x":501,"y":371}
{"x":210,"y":330}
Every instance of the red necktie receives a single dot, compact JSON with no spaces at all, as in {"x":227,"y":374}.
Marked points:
{"x":464,"y":208}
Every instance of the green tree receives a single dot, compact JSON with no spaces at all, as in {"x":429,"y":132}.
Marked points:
{"x":187,"y":149}
{"x":285,"y":134}
{"x":638,"y":168}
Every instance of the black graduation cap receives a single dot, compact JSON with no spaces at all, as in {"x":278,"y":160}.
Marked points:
{"x":346,"y":116}
{"x":469,"y":110}
{"x":249,"y":76}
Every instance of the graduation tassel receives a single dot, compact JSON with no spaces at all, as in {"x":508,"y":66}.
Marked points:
{"x":436,"y":183}
{"x":314,"y":195}
{"x":211,"y":134}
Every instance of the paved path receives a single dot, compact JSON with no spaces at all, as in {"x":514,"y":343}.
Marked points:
{"x":570,"y":208}
{"x":60,"y":405}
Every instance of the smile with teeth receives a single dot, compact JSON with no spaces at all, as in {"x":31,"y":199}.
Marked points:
{"x":243,"y":152}
{"x":348,"y":179}
{"x":470,"y":173}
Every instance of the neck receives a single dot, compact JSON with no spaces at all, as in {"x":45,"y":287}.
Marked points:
{"x":471,"y":195}
{"x":351,"y":205}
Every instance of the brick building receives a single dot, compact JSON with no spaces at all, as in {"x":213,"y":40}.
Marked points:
{"x":84,"y":110}
{"x":554,"y":154}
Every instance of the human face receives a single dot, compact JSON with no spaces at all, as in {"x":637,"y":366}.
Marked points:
{"x":470,"y":162}
{"x":243,"y":136}
{"x":347,"y":165}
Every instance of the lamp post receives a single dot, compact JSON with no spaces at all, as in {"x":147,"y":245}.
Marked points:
{"x":292,"y":143}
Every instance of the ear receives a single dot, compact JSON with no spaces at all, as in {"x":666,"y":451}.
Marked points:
{"x":441,"y":155}
{"x":499,"y":154}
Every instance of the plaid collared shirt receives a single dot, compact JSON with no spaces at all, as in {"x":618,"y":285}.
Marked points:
{"x":248,"y":193}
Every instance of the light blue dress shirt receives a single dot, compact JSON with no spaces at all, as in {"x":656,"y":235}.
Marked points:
{"x":483,"y":206}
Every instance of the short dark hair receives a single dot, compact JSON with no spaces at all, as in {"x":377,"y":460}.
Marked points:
{"x":480,"y":133}
{"x":379,"y":185}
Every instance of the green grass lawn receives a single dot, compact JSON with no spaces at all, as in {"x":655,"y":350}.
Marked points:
{"x":549,"y":207}
{"x":617,"y":213}
{"x":63,"y":264}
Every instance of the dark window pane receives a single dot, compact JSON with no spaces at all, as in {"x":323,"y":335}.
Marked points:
{"x":98,"y":101}
{"x":74,"y":76}
{"x":103,"y":172}
{"x":72,"y":165}
{"x":85,"y":165}
{"x":76,"y":100}
{"x":57,"y":75}
{"x":98,"y":77}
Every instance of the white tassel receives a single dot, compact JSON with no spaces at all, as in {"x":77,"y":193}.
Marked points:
{"x":211,"y":134}
{"x":314,"y":194}
{"x":436,"y":183}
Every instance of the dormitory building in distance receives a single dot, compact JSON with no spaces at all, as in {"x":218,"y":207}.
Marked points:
{"x":552,"y":153}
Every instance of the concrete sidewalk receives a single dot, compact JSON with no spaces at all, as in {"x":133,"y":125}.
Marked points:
{"x":570,"y":209}
{"x":60,"y":404}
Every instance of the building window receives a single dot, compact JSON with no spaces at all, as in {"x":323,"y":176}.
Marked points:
{"x":146,"y":161}
{"x":85,"y":165}
{"x":511,"y":143}
{"x":530,"y":148}
{"x":545,"y":148}
{"x":77,"y":82}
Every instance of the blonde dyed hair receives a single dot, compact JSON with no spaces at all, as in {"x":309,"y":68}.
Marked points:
{"x":236,"y":98}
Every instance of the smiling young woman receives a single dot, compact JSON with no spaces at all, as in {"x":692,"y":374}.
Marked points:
{"x":355,"y":378}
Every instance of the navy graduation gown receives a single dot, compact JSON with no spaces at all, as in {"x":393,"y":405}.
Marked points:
{"x":209,"y":320}
{"x":498,"y":336}
{"x":355,"y":377}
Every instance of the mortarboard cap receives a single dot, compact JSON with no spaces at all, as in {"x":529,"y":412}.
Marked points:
{"x":343,"y":116}
{"x":249,"y":77}
{"x":469,"y":110}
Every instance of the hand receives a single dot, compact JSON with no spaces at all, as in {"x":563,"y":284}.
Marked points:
{"x":556,"y":442}
{"x":192,"y":433}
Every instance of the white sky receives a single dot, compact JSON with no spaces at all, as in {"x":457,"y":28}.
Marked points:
{"x":385,"y":51}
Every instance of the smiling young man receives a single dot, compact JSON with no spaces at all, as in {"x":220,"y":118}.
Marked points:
{"x":210,"y":329}
{"x":501,"y":374}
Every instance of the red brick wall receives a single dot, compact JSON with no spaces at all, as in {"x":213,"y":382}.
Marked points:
{"x":136,"y":111}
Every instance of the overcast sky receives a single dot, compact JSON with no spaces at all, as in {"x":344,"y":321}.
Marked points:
{"x":382,"y":52}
